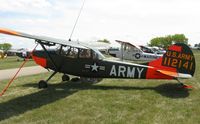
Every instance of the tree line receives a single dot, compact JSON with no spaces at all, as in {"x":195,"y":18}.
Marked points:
{"x":168,"y":40}
{"x":5,"y":46}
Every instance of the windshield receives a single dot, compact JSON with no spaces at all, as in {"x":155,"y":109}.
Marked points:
{"x":99,"y":54}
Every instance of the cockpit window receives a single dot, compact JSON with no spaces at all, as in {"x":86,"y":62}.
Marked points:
{"x":84,"y":53}
{"x":146,"y":50}
{"x":74,"y":52}
{"x":71,"y":52}
{"x":98,"y":54}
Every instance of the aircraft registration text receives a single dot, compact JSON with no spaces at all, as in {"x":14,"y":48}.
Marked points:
{"x":178,"y":60}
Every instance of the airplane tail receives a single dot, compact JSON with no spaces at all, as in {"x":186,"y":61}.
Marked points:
{"x":178,"y":62}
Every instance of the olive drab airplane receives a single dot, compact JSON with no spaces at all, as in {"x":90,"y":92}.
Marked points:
{"x":79,"y":59}
{"x":130,"y":51}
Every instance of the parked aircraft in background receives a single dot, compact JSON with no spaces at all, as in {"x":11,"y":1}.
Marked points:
{"x":130,"y":51}
{"x":79,"y":59}
{"x":158,"y":50}
{"x":22,"y":53}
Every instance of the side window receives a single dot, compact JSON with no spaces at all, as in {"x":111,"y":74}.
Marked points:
{"x":70,"y":52}
{"x":134,"y":49}
{"x":84,"y":53}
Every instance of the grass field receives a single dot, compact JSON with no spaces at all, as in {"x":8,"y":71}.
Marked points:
{"x":107,"y":102}
{"x":11,"y":62}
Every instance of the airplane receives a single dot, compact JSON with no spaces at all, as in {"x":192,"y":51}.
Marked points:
{"x":79,"y":59}
{"x":158,"y":50}
{"x":152,"y":50}
{"x":129,"y":51}
{"x":23,"y":53}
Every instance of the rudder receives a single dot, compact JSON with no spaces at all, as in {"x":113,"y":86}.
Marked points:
{"x":179,"y":59}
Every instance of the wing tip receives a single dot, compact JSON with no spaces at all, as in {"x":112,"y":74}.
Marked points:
{"x":8,"y":31}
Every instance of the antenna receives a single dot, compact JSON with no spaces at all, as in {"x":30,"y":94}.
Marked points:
{"x":77,"y":20}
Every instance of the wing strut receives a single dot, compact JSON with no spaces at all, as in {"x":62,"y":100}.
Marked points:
{"x":22,"y":65}
{"x":51,"y":59}
{"x":42,"y":83}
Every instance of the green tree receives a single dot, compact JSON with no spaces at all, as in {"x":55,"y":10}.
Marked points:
{"x":158,"y":41}
{"x":180,"y":38}
{"x":104,"y":41}
{"x":5,"y":46}
{"x":168,"y":40}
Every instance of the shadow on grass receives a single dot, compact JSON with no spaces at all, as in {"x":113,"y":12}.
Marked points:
{"x":28,"y":102}
{"x":55,"y":92}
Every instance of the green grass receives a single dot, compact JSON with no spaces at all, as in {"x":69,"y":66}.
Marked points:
{"x":11,"y":62}
{"x":109,"y":101}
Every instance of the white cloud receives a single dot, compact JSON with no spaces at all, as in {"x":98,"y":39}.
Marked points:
{"x":24,"y":6}
{"x":133,"y":20}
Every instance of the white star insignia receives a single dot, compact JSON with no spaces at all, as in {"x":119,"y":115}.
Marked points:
{"x":94,"y":67}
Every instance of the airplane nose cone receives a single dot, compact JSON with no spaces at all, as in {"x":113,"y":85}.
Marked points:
{"x":39,"y":58}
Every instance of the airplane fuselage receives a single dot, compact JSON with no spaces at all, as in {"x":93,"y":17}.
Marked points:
{"x":88,"y":67}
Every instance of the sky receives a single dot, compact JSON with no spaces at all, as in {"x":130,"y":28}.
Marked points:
{"x":136,"y":21}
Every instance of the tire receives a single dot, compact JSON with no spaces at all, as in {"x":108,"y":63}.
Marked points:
{"x":42,"y":84}
{"x":65,"y":78}
{"x":75,"y":79}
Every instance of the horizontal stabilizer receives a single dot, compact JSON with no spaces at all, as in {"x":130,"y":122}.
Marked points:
{"x":175,"y":74}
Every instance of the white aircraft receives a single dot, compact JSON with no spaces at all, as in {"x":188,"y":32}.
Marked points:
{"x":155,"y":50}
{"x":129,"y":51}
{"x":158,"y":50}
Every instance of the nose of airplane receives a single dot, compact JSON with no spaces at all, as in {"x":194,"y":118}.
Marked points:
{"x":39,"y":58}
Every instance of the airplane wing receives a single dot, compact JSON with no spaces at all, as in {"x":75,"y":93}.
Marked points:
{"x":45,"y":39}
{"x":99,"y":45}
{"x":124,"y":42}
{"x":130,"y":44}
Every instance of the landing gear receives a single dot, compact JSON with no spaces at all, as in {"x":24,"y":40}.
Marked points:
{"x":75,"y":79}
{"x":183,"y":86}
{"x":65,"y":77}
{"x":42,"y":84}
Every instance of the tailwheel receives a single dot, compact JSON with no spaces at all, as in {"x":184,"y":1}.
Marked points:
{"x":42,"y":84}
{"x":65,"y":77}
{"x":184,"y":86}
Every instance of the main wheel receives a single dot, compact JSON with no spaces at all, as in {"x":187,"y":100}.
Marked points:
{"x":65,"y":78}
{"x":42,"y":84}
{"x":75,"y":79}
